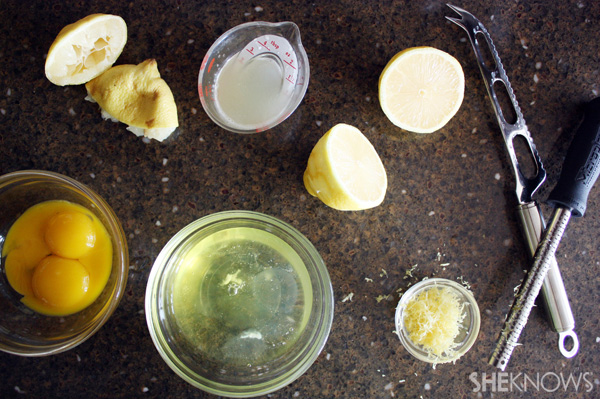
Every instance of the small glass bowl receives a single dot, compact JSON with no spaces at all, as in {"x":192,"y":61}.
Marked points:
{"x":23,"y":331}
{"x":468,"y":331}
{"x":239,"y":304}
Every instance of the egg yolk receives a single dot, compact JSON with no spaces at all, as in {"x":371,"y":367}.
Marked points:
{"x":58,"y":256}
{"x":60,"y":282}
{"x":70,"y":234}
{"x":19,"y":265}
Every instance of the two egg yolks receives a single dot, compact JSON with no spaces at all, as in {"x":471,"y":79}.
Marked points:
{"x":58,"y":255}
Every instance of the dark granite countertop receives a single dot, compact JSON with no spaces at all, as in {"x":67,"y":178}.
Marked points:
{"x":449,"y":208}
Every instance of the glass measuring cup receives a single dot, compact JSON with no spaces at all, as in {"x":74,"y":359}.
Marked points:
{"x":254,"y":76}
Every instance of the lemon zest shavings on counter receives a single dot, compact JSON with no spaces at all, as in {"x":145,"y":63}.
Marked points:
{"x":382,"y":297}
{"x":348,"y":297}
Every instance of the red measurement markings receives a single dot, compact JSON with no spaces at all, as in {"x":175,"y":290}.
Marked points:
{"x":210,"y":65}
{"x":290,"y":63}
{"x":290,"y":79}
{"x":274,"y":45}
{"x":250,"y":50}
{"x":264,"y":44}
{"x":208,"y":92}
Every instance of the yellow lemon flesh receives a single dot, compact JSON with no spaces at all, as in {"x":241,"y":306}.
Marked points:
{"x":137,"y":96}
{"x":421,"y":89}
{"x":85,"y":49}
{"x":344,"y":170}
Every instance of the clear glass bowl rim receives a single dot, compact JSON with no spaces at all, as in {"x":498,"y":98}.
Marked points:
{"x":319,"y":339}
{"x":120,"y":247}
{"x":422,"y":285}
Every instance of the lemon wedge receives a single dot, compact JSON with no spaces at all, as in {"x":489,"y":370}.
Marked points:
{"x":85,"y":49}
{"x":137,"y":96}
{"x":421,"y":89}
{"x":344,"y":170}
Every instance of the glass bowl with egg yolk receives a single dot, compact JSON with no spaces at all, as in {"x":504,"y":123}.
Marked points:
{"x":64,"y":263}
{"x":57,"y":255}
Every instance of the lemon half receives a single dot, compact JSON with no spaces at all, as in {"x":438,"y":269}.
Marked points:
{"x":345,"y":171}
{"x":85,"y":49}
{"x":137,"y":96}
{"x":421,"y":89}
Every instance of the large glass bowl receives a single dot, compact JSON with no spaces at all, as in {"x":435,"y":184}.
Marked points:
{"x":239,"y":304}
{"x":23,"y":331}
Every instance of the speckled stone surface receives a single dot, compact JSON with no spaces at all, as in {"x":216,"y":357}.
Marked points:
{"x":449,"y":208}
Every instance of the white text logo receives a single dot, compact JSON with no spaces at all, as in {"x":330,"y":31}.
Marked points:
{"x":522,"y":382}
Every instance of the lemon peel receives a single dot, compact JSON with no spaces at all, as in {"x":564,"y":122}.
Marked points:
{"x":345,"y":171}
{"x":137,"y":96}
{"x":85,"y":49}
{"x":421,"y":89}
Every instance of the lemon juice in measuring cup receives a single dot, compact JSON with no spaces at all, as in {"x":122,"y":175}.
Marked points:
{"x":254,"y":76}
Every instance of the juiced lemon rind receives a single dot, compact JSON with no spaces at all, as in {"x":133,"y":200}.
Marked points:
{"x":137,"y":96}
{"x":85,"y":49}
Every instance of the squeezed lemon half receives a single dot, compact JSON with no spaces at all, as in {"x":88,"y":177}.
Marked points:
{"x":85,"y":49}
{"x":137,"y":96}
{"x":345,"y":171}
{"x":421,"y":89}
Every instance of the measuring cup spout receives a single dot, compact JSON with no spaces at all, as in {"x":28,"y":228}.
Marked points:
{"x":291,"y":32}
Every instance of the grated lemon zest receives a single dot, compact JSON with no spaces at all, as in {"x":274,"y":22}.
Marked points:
{"x":433,"y":320}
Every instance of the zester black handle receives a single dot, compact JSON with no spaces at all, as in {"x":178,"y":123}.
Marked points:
{"x":582,"y":164}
